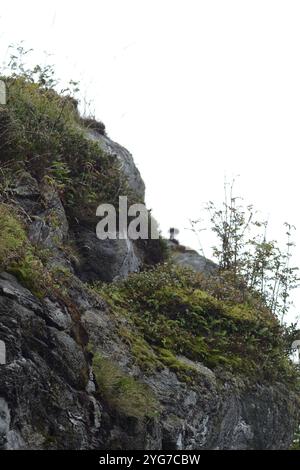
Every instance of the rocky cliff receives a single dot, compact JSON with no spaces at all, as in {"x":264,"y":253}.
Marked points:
{"x":116,"y":344}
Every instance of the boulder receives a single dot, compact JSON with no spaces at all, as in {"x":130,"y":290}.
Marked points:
{"x":184,"y":256}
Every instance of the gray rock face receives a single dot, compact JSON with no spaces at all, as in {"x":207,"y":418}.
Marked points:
{"x":4,"y":422}
{"x":26,"y":192}
{"x":26,"y":186}
{"x":105,"y":260}
{"x":214,"y":415}
{"x":49,"y":228}
{"x":48,"y":397}
{"x":189,"y":258}
{"x":127,"y":164}
{"x":43,"y":401}
{"x":2,"y":352}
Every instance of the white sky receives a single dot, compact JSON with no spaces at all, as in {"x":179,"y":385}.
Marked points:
{"x":195,"y":89}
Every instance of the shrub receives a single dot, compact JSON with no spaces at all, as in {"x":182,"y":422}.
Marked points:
{"x":244,"y":252}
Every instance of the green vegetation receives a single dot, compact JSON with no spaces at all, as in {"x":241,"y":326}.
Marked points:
{"x":27,"y":262}
{"x":170,"y":312}
{"x":17,"y":255}
{"x":42,"y":132}
{"x":123,"y":393}
{"x":155,"y":250}
{"x":245,"y":253}
{"x":12,"y":235}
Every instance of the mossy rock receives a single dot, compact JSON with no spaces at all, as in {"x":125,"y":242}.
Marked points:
{"x":123,"y":393}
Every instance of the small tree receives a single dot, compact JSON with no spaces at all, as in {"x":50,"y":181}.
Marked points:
{"x":230,"y":223}
{"x":251,"y":260}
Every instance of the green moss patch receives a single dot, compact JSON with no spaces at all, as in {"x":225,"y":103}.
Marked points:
{"x":123,"y":393}
{"x":12,"y":236}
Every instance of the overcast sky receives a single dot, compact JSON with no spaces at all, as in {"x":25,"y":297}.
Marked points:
{"x":197,"y":90}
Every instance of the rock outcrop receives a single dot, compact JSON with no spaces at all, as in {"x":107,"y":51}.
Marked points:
{"x":184,"y":256}
{"x":125,"y":159}
{"x":105,"y":260}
